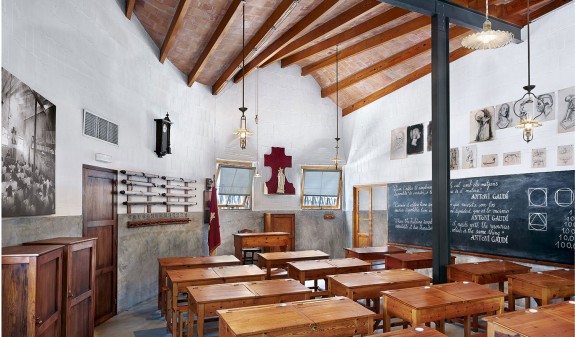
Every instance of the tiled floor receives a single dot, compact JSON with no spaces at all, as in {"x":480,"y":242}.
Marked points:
{"x":144,"y":321}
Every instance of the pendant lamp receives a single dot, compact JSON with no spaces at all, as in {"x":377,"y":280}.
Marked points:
{"x":487,"y":38}
{"x":243,"y":131}
{"x":257,"y":120}
{"x":336,"y":160}
{"x":524,"y":106}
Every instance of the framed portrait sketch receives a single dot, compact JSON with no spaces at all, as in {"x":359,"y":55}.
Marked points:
{"x":566,"y":110}
{"x":415,"y":139}
{"x":469,"y":157}
{"x":481,"y":125}
{"x":398,"y":146}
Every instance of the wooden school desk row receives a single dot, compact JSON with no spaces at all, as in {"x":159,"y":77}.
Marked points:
{"x":543,"y":286}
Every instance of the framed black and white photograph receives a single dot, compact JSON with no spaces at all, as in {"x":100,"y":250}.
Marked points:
{"x":566,"y":110}
{"x":512,"y":158}
{"x":504,"y":116}
{"x":564,"y":155}
{"x":489,"y":160}
{"x":539,"y":158}
{"x":454,"y":158}
{"x":469,"y":156}
{"x":28,"y":150}
{"x":481,"y":125}
{"x":429,"y":147}
{"x":415,"y":139}
{"x":398,"y":148}
{"x":545,"y":107}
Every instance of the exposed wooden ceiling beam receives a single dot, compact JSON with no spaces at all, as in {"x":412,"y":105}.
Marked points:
{"x":286,"y":38}
{"x":130,"y":4}
{"x":368,"y":43}
{"x":326,"y":28}
{"x":349,"y":34}
{"x":174,"y":27}
{"x":417,"y":74}
{"x":520,"y":9}
{"x":268,"y":25}
{"x":389,"y":62}
{"x":214,"y":42}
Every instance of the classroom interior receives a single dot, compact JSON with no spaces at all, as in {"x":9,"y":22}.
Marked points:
{"x":269,"y":164}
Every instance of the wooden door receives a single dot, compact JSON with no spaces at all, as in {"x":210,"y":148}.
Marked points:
{"x":81,"y":279}
{"x":281,"y":223}
{"x":362,"y":216}
{"x":101,"y":221}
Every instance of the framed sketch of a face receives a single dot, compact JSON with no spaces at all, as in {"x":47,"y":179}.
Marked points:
{"x":415,"y":139}
{"x":566,"y":110}
{"x":545,"y":107}
{"x":469,"y":157}
{"x":398,"y":145}
{"x":481,"y":125}
{"x":504,"y":116}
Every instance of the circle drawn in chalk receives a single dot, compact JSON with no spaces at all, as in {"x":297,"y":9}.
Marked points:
{"x":564,"y":197}
{"x":537,"y":197}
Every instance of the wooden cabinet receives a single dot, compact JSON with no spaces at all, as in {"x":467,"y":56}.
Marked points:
{"x":31,"y":291}
{"x":281,"y":223}
{"x":79,"y":270}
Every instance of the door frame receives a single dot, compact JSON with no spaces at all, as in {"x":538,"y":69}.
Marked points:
{"x":115,"y":236}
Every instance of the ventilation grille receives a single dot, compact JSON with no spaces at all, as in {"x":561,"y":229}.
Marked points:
{"x":100,"y":128}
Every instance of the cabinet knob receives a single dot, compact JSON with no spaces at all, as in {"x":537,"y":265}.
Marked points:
{"x":39,"y":321}
{"x":70,"y":293}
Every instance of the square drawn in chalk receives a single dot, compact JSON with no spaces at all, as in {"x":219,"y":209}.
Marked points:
{"x":537,"y":196}
{"x":564,"y":197}
{"x":538,"y":222}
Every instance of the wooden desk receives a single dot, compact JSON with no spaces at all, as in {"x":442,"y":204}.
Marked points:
{"x":485,"y":272}
{"x":421,"y":331}
{"x":439,"y":302}
{"x":280,"y":259}
{"x":538,"y":322}
{"x":187,"y":262}
{"x":319,"y":270}
{"x":565,"y":310}
{"x":266,"y":239}
{"x":372,"y":253}
{"x":180,"y":279}
{"x":415,"y":260}
{"x":539,"y":285}
{"x":334,"y":317}
{"x":203,"y":301}
{"x":369,"y":285}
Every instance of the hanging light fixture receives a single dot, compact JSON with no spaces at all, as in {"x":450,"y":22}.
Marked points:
{"x":523,"y":108}
{"x":336,"y":160}
{"x":487,"y":38}
{"x":243,"y":132}
{"x":257,"y":120}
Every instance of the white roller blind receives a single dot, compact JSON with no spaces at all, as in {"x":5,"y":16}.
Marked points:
{"x":321,"y":183}
{"x":235,"y":180}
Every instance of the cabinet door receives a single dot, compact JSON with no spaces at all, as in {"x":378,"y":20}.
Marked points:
{"x":15,"y":315}
{"x":282,"y":223}
{"x":79,"y":308}
{"x":49,"y":294}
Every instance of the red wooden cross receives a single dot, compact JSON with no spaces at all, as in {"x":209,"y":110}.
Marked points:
{"x":278,"y":160}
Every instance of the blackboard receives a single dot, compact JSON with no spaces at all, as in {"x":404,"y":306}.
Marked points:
{"x":528,"y":216}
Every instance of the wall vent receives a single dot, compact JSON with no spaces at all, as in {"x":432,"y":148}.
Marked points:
{"x":100,"y":128}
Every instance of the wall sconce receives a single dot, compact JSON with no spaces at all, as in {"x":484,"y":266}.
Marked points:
{"x":163,"y":136}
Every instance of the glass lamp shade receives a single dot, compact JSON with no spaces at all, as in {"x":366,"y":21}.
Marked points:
{"x":528,"y":125}
{"x":487,"y":38}
{"x":243,"y":132}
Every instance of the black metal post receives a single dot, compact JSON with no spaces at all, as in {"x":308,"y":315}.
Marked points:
{"x":440,"y":140}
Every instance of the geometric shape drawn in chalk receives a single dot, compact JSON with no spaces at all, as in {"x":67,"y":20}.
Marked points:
{"x":564,"y":197}
{"x":537,"y":196}
{"x":537,"y":222}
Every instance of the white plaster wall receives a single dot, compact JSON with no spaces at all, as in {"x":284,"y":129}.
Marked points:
{"x":88,"y":55}
{"x":480,"y":79}
{"x":291,"y":115}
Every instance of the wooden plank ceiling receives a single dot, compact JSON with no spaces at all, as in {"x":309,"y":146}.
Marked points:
{"x":381,"y":47}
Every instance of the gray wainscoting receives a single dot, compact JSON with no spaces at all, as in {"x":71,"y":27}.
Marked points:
{"x":18,"y":230}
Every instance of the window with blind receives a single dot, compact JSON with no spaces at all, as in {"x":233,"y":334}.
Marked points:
{"x":321,"y":188}
{"x":234,"y":186}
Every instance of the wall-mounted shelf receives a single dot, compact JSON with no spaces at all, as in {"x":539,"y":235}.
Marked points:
{"x":157,"y":190}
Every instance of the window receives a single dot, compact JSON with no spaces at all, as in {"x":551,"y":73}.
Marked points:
{"x":234,"y":185}
{"x":321,"y":188}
